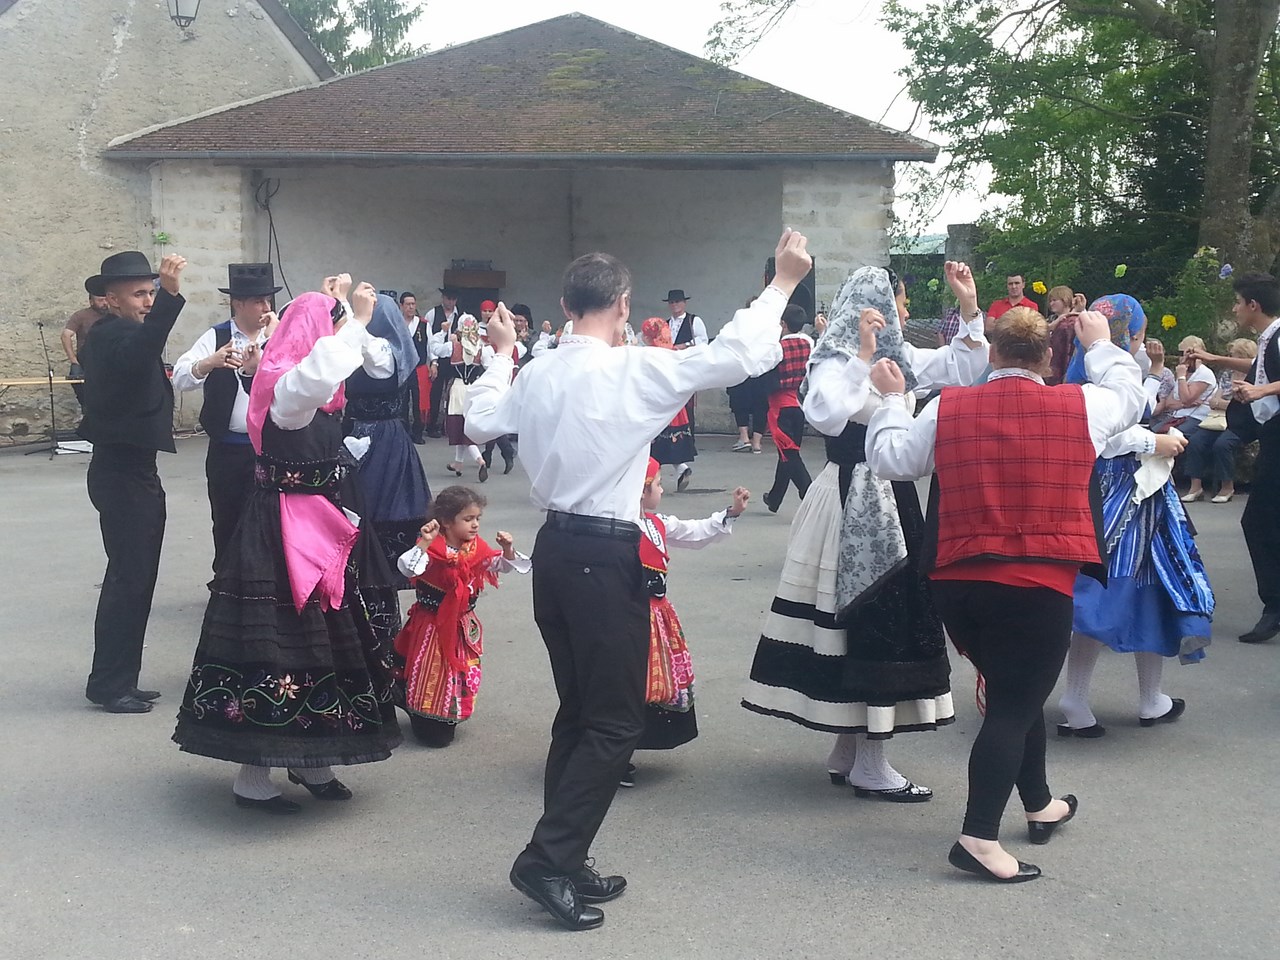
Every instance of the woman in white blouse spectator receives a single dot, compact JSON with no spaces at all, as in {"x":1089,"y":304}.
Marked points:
{"x":1188,"y":404}
{"x":1211,"y":450}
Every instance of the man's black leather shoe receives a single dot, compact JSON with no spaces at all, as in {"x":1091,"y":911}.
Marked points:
{"x":558,"y":897}
{"x":594,"y":888}
{"x":127,"y":704}
{"x":1266,"y":628}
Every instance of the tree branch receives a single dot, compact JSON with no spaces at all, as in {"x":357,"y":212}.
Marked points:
{"x":1157,"y":16}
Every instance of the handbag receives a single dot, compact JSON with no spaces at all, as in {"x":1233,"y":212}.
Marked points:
{"x":1169,"y":424}
{"x":1215,"y":421}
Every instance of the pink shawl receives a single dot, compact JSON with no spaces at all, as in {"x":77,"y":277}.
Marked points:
{"x":317,"y":535}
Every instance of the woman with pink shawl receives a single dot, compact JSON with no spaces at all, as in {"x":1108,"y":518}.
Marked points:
{"x":289,"y":671}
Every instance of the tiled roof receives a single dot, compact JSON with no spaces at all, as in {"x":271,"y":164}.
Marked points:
{"x":568,"y":88}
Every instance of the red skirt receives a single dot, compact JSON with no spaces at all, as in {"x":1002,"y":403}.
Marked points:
{"x":670,"y":680}
{"x":432,"y":687}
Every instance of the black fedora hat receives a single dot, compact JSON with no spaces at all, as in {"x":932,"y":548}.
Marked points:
{"x":128,"y":265}
{"x":95,"y":287}
{"x":676,"y":295}
{"x":448,"y":290}
{"x":250,"y":280}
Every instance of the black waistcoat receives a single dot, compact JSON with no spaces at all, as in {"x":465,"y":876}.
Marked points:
{"x":220,"y":388}
{"x":686,"y":330}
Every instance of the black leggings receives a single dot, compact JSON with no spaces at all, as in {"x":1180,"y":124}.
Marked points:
{"x":1017,"y":637}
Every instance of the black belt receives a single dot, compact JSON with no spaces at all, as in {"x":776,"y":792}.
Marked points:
{"x":608,"y":527}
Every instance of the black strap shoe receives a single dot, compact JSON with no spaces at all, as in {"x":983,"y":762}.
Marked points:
{"x":558,"y":896}
{"x":964,"y":860}
{"x":1084,"y":733}
{"x":127,"y":704}
{"x":276,"y":805}
{"x":594,"y":888}
{"x":331,"y":790}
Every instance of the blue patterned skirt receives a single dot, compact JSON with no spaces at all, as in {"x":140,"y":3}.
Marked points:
{"x":1158,"y":598}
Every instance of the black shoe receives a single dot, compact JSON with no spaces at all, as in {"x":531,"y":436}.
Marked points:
{"x":435,"y":434}
{"x":147,"y":695}
{"x":432,"y":733}
{"x":771,"y":504}
{"x":127,"y":704}
{"x":1266,"y":627}
{"x":419,"y":439}
{"x":628,"y":778}
{"x":1084,"y":733}
{"x":682,"y":482}
{"x":484,"y":472}
{"x":966,"y":861}
{"x":276,"y":805}
{"x":558,"y":896}
{"x":1039,"y":833}
{"x":1173,"y":713}
{"x":594,"y":888}
{"x":907,"y":793}
{"x":332,"y":790}
{"x":838,"y":779}
{"x":508,"y":464}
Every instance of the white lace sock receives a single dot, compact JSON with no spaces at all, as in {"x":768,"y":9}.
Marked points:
{"x":316,"y":776}
{"x":254,"y":783}
{"x":871,"y":770}
{"x":843,"y":753}
{"x":459,"y":454}
{"x":1081,"y":659}
{"x":1152,"y":701}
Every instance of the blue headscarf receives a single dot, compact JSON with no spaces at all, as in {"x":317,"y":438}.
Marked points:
{"x":388,"y":324}
{"x":1127,"y":319}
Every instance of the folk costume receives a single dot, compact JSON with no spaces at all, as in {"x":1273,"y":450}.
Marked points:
{"x":1157,"y":601}
{"x":289,"y":670}
{"x":505,"y":444}
{"x":1128,"y":323}
{"x":786,"y":418}
{"x":586,"y":414}
{"x":465,"y":366}
{"x":229,"y":460}
{"x":674,"y":445}
{"x":1012,"y":523}
{"x":128,"y":417}
{"x":393,"y":485}
{"x":438,"y":652}
{"x":687,"y":330}
{"x":433,"y":393}
{"x":670,"y":720}
{"x":851,"y":644}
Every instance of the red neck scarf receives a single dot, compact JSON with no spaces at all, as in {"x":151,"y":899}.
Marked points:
{"x":458,"y":573}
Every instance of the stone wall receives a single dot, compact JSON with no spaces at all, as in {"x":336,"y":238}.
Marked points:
{"x":76,"y":74}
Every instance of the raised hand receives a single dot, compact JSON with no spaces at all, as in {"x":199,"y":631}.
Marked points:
{"x":225,"y":356}
{"x":272,"y":320}
{"x":792,"y":261}
{"x":1092,"y":327}
{"x":502,"y":330}
{"x":507,"y":543}
{"x":171,"y":268}
{"x":887,"y":377}
{"x":363,"y":299}
{"x":870,"y":323}
{"x":960,"y":279}
{"x":741,"y":496}
{"x":546,"y":326}
{"x":337,"y":286}
{"x":428,"y":532}
{"x":820,"y":324}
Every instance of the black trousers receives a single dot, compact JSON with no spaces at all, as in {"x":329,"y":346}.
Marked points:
{"x":790,"y":468}
{"x":439,"y":386}
{"x":749,"y":403}
{"x":228,"y":469}
{"x":413,"y":415}
{"x":591,"y":607}
{"x":1261,"y":518}
{"x":125,"y":489}
{"x":505,"y":445}
{"x":1017,"y":637}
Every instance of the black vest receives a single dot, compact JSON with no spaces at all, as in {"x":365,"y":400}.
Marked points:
{"x":220,"y":388}
{"x":1240,"y":418}
{"x":686,"y":330}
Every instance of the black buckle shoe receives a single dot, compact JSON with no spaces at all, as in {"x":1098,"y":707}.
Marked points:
{"x":594,"y":888}
{"x":558,"y":896}
{"x":332,"y":790}
{"x":276,"y":805}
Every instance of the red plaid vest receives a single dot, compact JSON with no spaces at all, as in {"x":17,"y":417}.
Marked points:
{"x":1014,"y":463}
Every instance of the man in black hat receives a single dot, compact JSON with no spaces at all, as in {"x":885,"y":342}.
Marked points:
{"x":440,"y":319}
{"x":687,"y":331}
{"x":222,"y":364}
{"x":128,"y":417}
{"x":77,"y":330}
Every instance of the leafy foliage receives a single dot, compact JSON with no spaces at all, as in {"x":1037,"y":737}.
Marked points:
{"x":335,"y":26}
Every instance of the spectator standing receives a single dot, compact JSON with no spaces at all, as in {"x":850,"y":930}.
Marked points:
{"x":77,"y":330}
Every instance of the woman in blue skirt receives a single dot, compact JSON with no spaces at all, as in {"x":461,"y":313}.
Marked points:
{"x":1157,"y":602}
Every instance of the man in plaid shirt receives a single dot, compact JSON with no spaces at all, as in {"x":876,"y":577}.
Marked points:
{"x":786,"y":418}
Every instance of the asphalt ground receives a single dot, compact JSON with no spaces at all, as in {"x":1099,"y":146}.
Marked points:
{"x":113,"y":844}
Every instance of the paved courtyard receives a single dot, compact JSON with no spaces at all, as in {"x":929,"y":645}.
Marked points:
{"x":115,"y":845}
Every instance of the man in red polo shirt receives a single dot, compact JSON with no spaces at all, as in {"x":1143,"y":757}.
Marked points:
{"x":1016,"y":285}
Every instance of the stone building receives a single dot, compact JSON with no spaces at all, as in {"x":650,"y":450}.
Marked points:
{"x":76,"y":74}
{"x":504,"y":158}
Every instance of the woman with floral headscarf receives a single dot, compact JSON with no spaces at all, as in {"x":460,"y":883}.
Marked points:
{"x":289,"y":671}
{"x":390,"y":475}
{"x":674,"y":445}
{"x":1128,"y":322}
{"x":851,"y":644}
{"x":467,"y":364}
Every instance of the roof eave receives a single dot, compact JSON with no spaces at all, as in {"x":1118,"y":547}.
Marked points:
{"x":275,"y":156}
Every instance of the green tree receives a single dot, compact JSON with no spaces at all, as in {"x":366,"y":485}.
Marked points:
{"x":336,"y":26}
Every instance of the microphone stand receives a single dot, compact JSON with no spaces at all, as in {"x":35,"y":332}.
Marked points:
{"x":53,"y":413}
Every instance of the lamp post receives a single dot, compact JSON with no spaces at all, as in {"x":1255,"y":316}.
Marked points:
{"x":183,"y":12}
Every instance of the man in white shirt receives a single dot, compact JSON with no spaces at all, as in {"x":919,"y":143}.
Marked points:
{"x":586,"y":413}
{"x":222,"y":364}
{"x":440,"y":319}
{"x":687,"y":330}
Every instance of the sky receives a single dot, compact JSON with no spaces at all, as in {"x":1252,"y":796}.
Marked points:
{"x":834,"y":51}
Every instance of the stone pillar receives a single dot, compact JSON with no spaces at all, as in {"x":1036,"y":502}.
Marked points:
{"x":962,"y":242}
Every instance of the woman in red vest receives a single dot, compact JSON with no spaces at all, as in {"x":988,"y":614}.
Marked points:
{"x":1012,"y":523}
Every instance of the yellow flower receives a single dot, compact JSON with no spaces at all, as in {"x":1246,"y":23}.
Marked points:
{"x":1039,"y":287}
{"x":1168,"y":321}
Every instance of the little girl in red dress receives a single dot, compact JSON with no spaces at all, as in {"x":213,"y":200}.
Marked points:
{"x":438,"y":651}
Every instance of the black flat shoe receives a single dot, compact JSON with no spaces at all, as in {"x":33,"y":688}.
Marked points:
{"x":332,"y":790}
{"x":594,"y":888}
{"x":507,"y":466}
{"x":558,"y":896}
{"x":276,"y":805}
{"x":1266,"y":628}
{"x":838,"y":779}
{"x":682,"y":482}
{"x":127,"y":704}
{"x":907,"y":793}
{"x":772,"y":505}
{"x":147,"y":695}
{"x":1084,"y":733}
{"x":1039,"y":832}
{"x":962,"y":859}
{"x":432,"y":733}
{"x":628,"y":778}
{"x":484,"y":472}
{"x":1173,"y":713}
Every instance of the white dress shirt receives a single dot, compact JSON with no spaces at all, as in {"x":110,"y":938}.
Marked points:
{"x":587,"y":412}
{"x":699,"y":328}
{"x":1264,"y":408}
{"x":185,"y":379}
{"x":840,"y":389}
{"x":412,"y":324}
{"x":312,"y":383}
{"x":899,"y":448}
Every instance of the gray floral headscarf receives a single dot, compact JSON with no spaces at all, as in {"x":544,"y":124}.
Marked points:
{"x":865,"y":287}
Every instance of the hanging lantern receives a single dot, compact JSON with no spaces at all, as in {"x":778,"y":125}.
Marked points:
{"x":183,"y":12}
